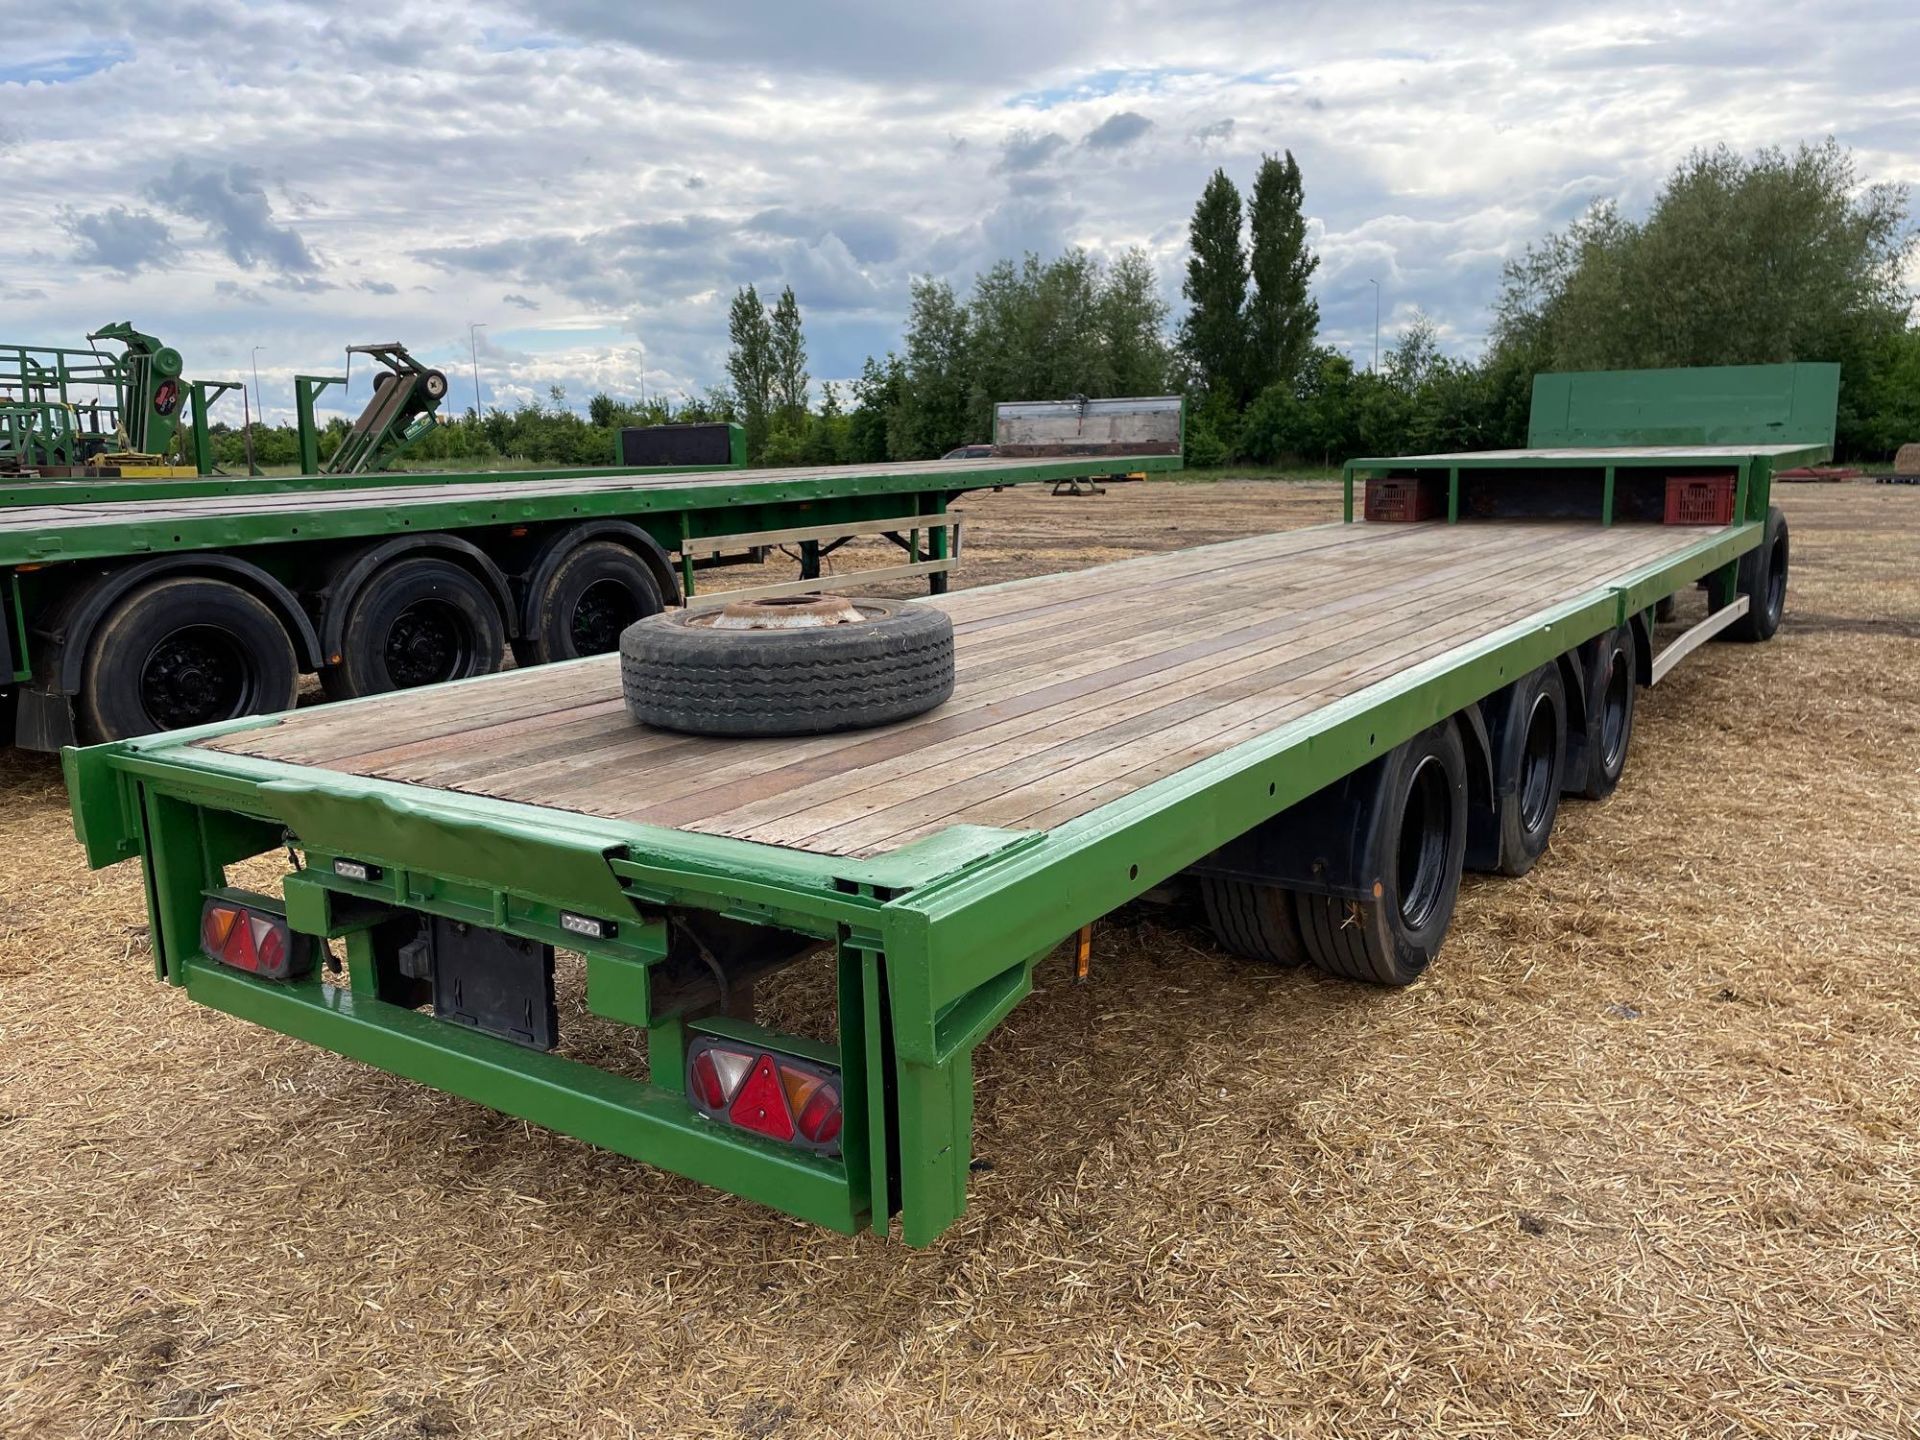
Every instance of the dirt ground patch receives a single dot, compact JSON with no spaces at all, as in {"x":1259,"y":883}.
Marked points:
{"x":1640,"y":1156}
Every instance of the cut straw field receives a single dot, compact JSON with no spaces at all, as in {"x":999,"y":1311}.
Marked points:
{"x":1641,"y":1156}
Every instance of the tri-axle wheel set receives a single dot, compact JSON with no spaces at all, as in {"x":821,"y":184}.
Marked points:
{"x":1360,"y":879}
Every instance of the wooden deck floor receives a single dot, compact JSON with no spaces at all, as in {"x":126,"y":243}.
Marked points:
{"x":1072,"y":690}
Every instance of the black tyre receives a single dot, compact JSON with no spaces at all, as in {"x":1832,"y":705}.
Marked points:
{"x":1611,"y":667}
{"x":1763,"y":580}
{"x":596,"y":591}
{"x":434,"y":384}
{"x":684,"y":670}
{"x":1419,"y":833}
{"x":1527,"y":726}
{"x":184,"y":651}
{"x":1255,"y":922}
{"x":420,"y":620}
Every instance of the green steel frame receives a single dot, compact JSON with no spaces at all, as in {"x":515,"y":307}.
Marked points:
{"x":121,"y":391}
{"x":88,"y":492}
{"x":674,"y":506}
{"x":932,"y":945}
{"x":1753,"y":480}
{"x":705,"y":506}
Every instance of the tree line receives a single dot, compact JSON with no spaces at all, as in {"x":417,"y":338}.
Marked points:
{"x":1780,"y":256}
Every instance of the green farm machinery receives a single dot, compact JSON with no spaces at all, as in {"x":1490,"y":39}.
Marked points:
{"x":71,"y":412}
{"x":406,"y":397}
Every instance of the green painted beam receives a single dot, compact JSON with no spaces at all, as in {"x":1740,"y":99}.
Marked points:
{"x":14,"y":492}
{"x":611,"y":1111}
{"x":1595,"y":458}
{"x":28,"y":535}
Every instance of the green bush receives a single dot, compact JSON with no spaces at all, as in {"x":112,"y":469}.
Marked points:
{"x":1205,"y":448}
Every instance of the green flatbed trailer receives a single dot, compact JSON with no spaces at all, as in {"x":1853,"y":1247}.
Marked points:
{"x":1314,"y":731}
{"x":380,"y":583}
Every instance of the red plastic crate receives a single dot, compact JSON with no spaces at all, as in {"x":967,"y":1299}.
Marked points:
{"x":1700,"y":499}
{"x":1404,"y":497}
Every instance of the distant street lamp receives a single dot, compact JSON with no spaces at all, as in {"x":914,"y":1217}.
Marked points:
{"x":1376,"y":325}
{"x":473,"y":346}
{"x":256,"y":382}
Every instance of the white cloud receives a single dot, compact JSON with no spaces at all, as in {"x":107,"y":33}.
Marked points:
{"x":322,"y":175}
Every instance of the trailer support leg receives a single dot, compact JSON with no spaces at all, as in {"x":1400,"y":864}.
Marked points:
{"x":940,"y":543}
{"x":868,"y":1146}
{"x":936,"y":1145}
{"x":1722,"y":585}
{"x":177,"y":877}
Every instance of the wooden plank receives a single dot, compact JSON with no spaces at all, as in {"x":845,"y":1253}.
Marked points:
{"x":976,"y":686}
{"x":1351,"y":681}
{"x":327,"y":734}
{"x":1019,"y":598}
{"x":1162,"y":665}
{"x":1003,"y":749}
{"x":1069,"y":791}
{"x":728,"y":760}
{"x":715,"y":544}
{"x":1069,"y":698}
{"x":833,"y":582}
{"x":1151,"y":716}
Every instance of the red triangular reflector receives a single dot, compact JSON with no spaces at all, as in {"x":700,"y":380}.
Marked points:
{"x":239,"y":948}
{"x":761,"y":1105}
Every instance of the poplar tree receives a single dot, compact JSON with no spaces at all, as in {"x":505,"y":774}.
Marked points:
{"x":1282,"y":316}
{"x":1213,"y":334}
{"x":750,"y":367}
{"x":788,"y":364}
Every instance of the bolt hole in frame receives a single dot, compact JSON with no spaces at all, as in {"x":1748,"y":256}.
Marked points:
{"x":926,"y":960}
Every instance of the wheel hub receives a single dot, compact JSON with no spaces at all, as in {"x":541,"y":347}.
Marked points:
{"x":1613,"y":719}
{"x":1536,"y":771}
{"x":604,"y":610}
{"x":421,"y":648}
{"x":788,"y":612}
{"x":193,"y":677}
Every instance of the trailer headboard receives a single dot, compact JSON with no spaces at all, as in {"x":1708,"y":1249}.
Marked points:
{"x":1703,"y":405}
{"x":1135,"y":425}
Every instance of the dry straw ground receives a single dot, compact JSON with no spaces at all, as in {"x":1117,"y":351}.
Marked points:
{"x":1638,"y":1159}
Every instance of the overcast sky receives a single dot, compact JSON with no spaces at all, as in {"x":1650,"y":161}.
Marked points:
{"x":593,"y":179}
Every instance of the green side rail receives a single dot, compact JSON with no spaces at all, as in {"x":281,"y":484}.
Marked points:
{"x":30,"y":534}
{"x":932,"y":945}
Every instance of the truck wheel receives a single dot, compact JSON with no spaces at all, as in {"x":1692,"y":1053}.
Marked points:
{"x":1529,"y":734}
{"x":792,"y":665}
{"x":1763,"y":580}
{"x":1610,"y":672}
{"x":597,"y":591}
{"x":1255,"y":922}
{"x":184,"y":651}
{"x":1419,"y":831}
{"x":420,"y":620}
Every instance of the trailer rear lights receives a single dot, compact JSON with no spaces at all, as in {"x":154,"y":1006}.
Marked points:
{"x":358,"y":871}
{"x":740,"y":1084}
{"x":256,"y":941}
